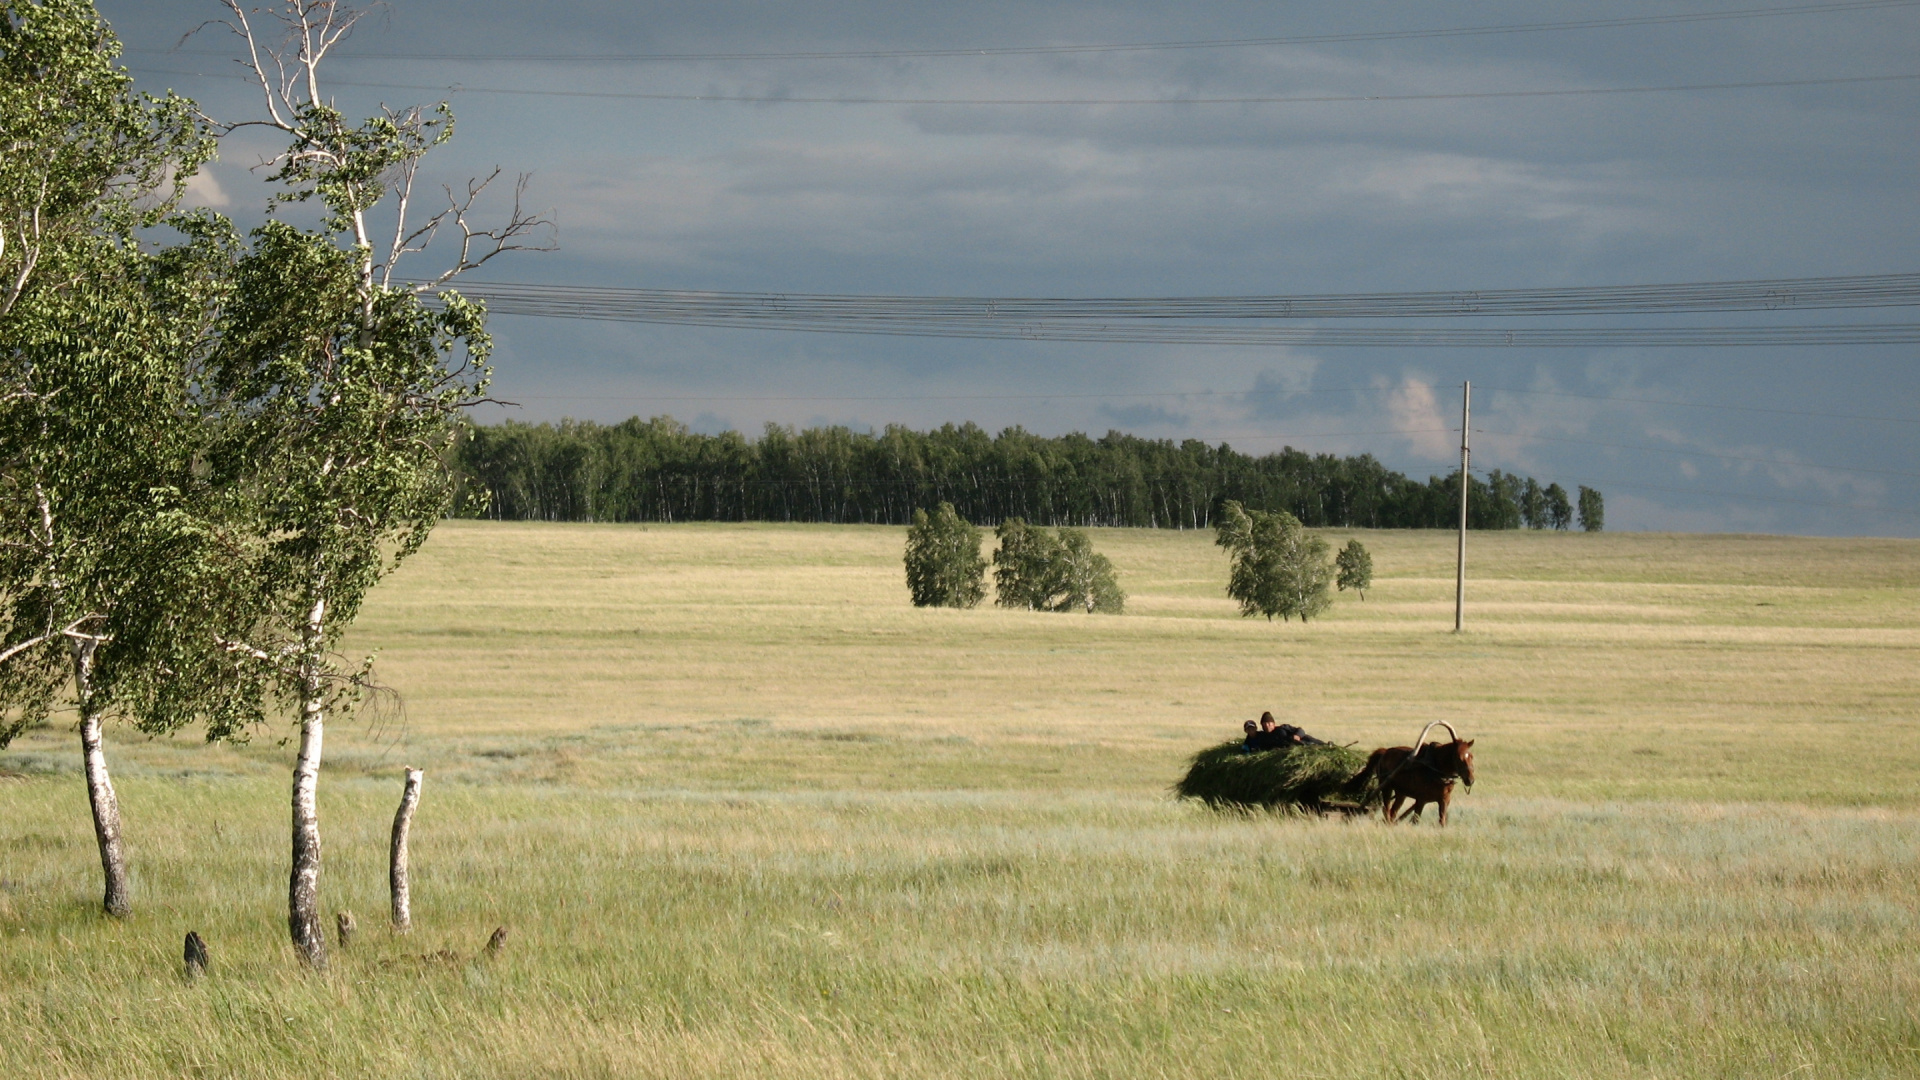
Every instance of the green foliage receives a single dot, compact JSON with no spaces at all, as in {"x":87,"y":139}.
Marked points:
{"x":1025,"y":574}
{"x":82,"y":157}
{"x":1593,"y":510}
{"x":1038,"y":572}
{"x":332,"y":447}
{"x":658,"y":470}
{"x":1500,"y":505}
{"x":1088,"y":576}
{"x":101,"y":343}
{"x":1297,"y":776}
{"x":1559,"y":509}
{"x":1277,"y":568}
{"x":1355,"y":564}
{"x":944,"y":567}
{"x":1533,"y":505}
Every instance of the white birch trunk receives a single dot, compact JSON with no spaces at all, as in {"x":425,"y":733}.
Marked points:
{"x":100,"y":795}
{"x":303,"y":884}
{"x":397,"y":869}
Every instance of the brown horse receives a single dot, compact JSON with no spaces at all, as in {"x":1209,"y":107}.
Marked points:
{"x":1427,"y":778}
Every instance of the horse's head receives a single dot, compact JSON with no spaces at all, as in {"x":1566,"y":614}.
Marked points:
{"x":1463,"y":754}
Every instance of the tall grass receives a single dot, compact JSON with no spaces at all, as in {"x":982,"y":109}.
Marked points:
{"x":746,"y":812}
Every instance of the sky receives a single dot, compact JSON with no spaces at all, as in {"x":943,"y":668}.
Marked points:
{"x":1186,"y":199}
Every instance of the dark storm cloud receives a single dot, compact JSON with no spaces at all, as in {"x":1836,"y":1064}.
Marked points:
{"x":1119,"y":200}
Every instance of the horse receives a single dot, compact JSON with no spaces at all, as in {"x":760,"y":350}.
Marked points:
{"x":1424,"y":777}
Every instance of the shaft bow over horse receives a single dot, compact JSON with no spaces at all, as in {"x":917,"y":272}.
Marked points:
{"x":1424,"y":776}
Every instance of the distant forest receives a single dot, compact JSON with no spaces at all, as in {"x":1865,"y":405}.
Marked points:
{"x":658,"y":470}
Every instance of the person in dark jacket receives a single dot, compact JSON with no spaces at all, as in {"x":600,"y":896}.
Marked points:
{"x":1276,"y":736}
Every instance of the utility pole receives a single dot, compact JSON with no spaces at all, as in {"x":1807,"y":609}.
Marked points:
{"x":1460,"y":567}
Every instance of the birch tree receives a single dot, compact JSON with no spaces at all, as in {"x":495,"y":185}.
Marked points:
{"x":343,"y":387}
{"x":98,"y":336}
{"x":1278,"y":568}
{"x":1355,"y":566}
{"x":944,"y":567}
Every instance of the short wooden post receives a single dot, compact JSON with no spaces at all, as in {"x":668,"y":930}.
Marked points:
{"x":397,"y":870}
{"x":196,"y":956}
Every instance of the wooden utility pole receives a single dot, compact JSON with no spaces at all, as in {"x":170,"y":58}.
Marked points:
{"x":1460,"y":566}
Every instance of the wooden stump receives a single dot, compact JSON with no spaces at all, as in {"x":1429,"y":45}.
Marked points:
{"x":397,"y":870}
{"x":196,"y":956}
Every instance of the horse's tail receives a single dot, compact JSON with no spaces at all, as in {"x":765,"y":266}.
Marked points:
{"x":1365,"y":775}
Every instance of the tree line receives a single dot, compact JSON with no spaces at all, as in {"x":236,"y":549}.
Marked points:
{"x":659,"y":470}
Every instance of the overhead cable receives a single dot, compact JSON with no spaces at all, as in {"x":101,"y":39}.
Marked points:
{"x":1227,"y":395}
{"x":1759,"y":294}
{"x":1173,"y":320}
{"x":1306,"y":99}
{"x":1149,"y":46}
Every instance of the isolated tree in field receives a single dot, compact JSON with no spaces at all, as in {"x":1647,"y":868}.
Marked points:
{"x":98,"y":341}
{"x":1559,"y":508}
{"x":1060,"y":572}
{"x":344,"y":393}
{"x":1088,"y":576}
{"x":1593,"y":510}
{"x":1355,"y":566}
{"x":1277,"y":569}
{"x":1027,"y":568}
{"x":944,"y":567}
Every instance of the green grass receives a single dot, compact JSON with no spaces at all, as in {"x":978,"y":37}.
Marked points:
{"x":747,"y":812}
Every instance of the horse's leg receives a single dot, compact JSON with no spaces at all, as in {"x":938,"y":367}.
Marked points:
{"x":1446,"y":796}
{"x":1390,"y":803}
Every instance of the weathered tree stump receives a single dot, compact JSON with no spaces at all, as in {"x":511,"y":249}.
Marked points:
{"x":196,"y":956}
{"x":397,"y":870}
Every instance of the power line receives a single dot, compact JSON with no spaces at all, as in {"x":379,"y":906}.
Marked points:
{"x":1334,"y":337}
{"x":1176,"y":394}
{"x":953,"y":397}
{"x":1151,"y":319}
{"x":1758,"y":294}
{"x":1698,"y":405}
{"x":1698,"y":453}
{"x":1152,"y":46}
{"x":748,"y":99}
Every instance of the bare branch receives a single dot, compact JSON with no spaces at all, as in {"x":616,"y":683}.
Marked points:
{"x":518,"y":234}
{"x":70,"y":631}
{"x":14,"y":650}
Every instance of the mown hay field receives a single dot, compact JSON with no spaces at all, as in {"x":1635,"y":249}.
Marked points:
{"x":748,"y":812}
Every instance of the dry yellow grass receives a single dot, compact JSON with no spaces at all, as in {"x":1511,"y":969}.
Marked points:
{"x":1593,"y":666}
{"x":750,"y":813}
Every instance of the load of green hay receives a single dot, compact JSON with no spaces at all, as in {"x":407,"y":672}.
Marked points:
{"x":1300,"y":777}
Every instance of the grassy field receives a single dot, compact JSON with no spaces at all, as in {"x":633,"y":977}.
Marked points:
{"x":747,"y":812}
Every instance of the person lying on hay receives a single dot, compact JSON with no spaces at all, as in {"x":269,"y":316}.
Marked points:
{"x":1275,"y":736}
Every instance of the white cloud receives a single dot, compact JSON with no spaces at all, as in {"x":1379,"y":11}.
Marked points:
{"x":203,"y":189}
{"x":1417,"y":415}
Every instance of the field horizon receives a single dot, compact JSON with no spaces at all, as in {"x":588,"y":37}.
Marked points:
{"x":748,"y":810}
